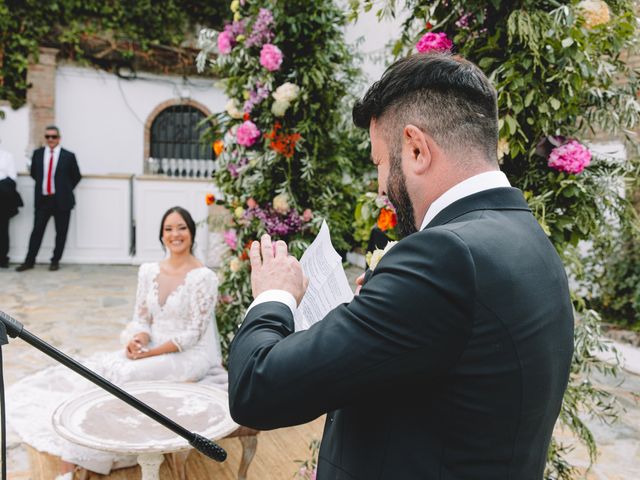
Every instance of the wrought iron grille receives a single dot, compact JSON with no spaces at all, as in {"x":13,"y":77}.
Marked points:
{"x":176,"y":133}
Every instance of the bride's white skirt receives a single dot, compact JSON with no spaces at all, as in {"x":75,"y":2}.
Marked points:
{"x":32,"y":400}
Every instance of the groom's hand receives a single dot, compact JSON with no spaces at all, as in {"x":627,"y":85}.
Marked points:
{"x":273,"y":268}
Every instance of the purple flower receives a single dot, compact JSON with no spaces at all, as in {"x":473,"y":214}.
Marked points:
{"x":434,"y":42}
{"x":255,"y":97}
{"x":235,"y":28}
{"x":572,"y":157}
{"x":275,"y":223}
{"x":261,"y":32}
{"x":247,"y":133}
{"x":463,"y":21}
{"x":234,"y":168}
{"x":270,"y":57}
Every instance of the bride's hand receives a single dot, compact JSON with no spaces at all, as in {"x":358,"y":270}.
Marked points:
{"x":137,"y":348}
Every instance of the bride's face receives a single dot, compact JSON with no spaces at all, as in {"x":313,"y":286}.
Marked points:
{"x":175,"y":234}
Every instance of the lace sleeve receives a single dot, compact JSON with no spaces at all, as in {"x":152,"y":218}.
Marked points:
{"x":141,"y":321}
{"x":202,"y":301}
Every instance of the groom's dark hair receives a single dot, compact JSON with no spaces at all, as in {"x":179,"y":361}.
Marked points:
{"x":447,"y":97}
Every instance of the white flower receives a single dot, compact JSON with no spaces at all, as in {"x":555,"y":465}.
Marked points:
{"x":233,"y":109}
{"x":374,"y":257}
{"x":235,"y":264}
{"x":279,"y":107}
{"x":287,"y":92}
{"x":503,"y":148}
{"x":595,"y":12}
{"x":281,"y":203}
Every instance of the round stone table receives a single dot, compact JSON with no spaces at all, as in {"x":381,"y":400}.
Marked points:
{"x":99,"y":420}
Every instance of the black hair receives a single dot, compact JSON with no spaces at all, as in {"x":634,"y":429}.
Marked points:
{"x":446,"y":96}
{"x":52,"y":127}
{"x":186,"y":216}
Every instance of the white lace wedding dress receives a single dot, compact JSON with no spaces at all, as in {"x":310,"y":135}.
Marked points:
{"x":186,"y":318}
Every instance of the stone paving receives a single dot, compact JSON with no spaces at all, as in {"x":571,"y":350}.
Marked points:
{"x":82,"y":308}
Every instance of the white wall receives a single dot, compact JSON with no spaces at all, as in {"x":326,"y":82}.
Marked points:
{"x":14,"y":135}
{"x":372,"y":38}
{"x":102,"y":116}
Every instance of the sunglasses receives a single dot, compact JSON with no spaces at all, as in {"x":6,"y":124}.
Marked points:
{"x":51,"y":137}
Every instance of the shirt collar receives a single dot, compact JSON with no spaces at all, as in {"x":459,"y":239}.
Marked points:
{"x":56,"y":150}
{"x":475,"y":184}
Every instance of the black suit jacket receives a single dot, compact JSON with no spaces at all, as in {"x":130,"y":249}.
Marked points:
{"x":450,"y":364}
{"x":65,"y":179}
{"x":10,"y":199}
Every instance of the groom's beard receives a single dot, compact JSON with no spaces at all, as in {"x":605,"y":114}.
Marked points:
{"x":399,"y":198}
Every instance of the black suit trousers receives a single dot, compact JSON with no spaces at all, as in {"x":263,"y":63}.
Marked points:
{"x":4,"y":236}
{"x":43,"y":213}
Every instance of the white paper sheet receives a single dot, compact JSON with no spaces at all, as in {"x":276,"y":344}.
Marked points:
{"x":328,"y":284}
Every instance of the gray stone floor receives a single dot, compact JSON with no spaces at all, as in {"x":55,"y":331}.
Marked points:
{"x":82,"y":308}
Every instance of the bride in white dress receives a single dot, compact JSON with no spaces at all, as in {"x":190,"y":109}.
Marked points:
{"x":173,"y":336}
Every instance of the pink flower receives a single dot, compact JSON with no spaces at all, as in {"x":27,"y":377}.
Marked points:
{"x":226,"y":298}
{"x":247,"y":133}
{"x":270,"y":57}
{"x":307,"y":215}
{"x":572,"y":157}
{"x":231,"y":239}
{"x":225,"y":42}
{"x":251,"y":203}
{"x":434,"y":42}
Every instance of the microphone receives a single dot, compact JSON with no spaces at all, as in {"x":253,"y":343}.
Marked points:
{"x":16,"y":329}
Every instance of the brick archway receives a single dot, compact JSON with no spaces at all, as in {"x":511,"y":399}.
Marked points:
{"x":156,"y":111}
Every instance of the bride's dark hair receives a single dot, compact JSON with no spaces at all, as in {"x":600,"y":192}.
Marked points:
{"x":186,"y":216}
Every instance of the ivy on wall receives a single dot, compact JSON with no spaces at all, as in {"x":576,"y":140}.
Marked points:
{"x":131,"y":27}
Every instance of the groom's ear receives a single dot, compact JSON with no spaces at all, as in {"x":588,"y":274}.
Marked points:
{"x":417,"y":148}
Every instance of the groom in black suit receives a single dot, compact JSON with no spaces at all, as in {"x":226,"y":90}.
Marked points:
{"x":56,"y":173}
{"x":452,"y":361}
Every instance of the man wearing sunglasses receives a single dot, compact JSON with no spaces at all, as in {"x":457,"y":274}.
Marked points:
{"x":56,"y":173}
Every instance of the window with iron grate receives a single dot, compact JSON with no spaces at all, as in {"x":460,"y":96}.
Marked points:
{"x":177,"y":133}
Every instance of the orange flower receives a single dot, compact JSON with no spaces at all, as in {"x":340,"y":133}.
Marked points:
{"x":210,"y":198}
{"x":282,"y":143}
{"x":245,"y":251}
{"x":218,"y":147}
{"x":387,"y":219}
{"x":246,"y":117}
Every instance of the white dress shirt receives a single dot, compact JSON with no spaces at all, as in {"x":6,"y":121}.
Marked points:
{"x":475,"y":184}
{"x":47,"y":157}
{"x":7,"y":166}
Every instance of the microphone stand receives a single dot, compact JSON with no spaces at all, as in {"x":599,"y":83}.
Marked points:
{"x":13,"y":328}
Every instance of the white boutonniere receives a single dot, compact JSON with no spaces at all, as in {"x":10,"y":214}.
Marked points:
{"x":374,"y":257}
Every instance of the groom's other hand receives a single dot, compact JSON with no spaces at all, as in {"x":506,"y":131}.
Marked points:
{"x":272,"y":268}
{"x":359,"y":283}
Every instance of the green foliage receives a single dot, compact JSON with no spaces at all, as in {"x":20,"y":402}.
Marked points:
{"x":618,"y":296}
{"x":309,"y":467}
{"x":321,"y":174}
{"x":27,"y":24}
{"x":559,"y":74}
{"x":613,"y":284}
{"x":368,"y":208}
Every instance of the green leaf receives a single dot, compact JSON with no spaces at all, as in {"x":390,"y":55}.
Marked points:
{"x":512,"y":124}
{"x":567,"y":42}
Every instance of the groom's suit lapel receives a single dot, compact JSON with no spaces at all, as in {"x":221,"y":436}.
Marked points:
{"x":502,"y":198}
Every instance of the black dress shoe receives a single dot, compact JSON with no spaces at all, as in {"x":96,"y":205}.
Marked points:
{"x":54,"y":266}
{"x":23,"y":267}
{"x":4,"y":264}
